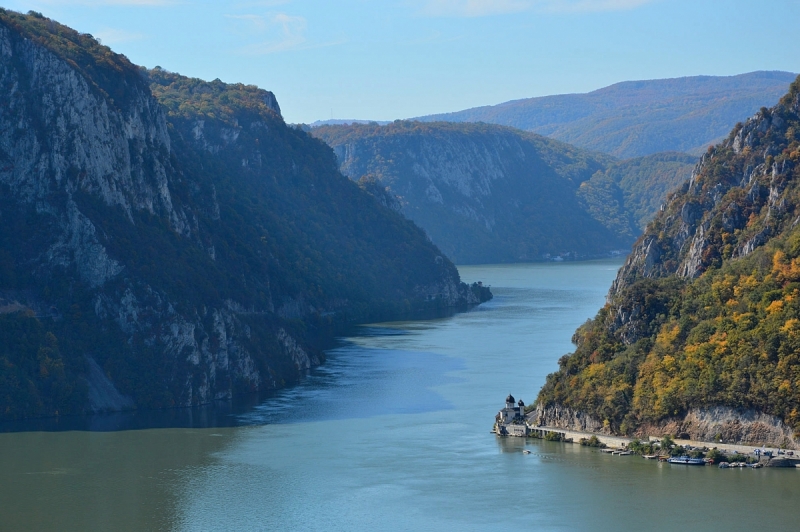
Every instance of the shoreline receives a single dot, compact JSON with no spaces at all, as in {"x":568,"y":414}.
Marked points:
{"x":623,"y":441}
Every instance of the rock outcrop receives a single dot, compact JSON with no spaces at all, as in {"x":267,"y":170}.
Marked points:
{"x":748,"y":201}
{"x":483,"y":193}
{"x":184,"y":242}
{"x":728,"y":425}
{"x":562,"y":417}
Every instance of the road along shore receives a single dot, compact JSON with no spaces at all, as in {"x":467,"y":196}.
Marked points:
{"x":621,"y":441}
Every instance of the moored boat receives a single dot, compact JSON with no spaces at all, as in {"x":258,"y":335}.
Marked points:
{"x":686,"y":460}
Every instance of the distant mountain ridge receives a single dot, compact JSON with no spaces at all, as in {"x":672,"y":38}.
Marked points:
{"x":346,"y":122}
{"x":637,"y":118}
{"x":486,"y":193}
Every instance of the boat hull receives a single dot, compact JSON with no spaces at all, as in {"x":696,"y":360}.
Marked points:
{"x":685,"y":460}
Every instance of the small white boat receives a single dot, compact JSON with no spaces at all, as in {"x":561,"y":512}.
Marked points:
{"x":686,"y":460}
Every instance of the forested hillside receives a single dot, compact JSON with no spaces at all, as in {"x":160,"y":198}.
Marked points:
{"x":167,"y":241}
{"x":488,"y":193}
{"x":627,"y":195}
{"x":637,"y":118}
{"x":706,"y":311}
{"x":483,"y":193}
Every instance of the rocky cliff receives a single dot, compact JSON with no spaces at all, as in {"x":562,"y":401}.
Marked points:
{"x":709,"y":424}
{"x":483,"y":193}
{"x":185,"y":243}
{"x":703,"y":314}
{"x":741,"y":194}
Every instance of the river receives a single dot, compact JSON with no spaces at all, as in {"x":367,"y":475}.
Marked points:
{"x":392,"y":433}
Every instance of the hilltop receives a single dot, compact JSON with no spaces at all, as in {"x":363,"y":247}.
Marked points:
{"x":638,"y":118}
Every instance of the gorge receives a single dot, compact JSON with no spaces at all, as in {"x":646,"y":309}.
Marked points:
{"x":168,"y":241}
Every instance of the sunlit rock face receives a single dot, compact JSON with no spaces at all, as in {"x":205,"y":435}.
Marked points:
{"x":483,"y":193}
{"x":187,"y":244}
{"x":62,"y":141}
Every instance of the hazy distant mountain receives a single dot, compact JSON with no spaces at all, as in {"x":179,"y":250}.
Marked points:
{"x":346,"y":122}
{"x":637,"y":118}
{"x":487,"y":193}
{"x":483,"y":193}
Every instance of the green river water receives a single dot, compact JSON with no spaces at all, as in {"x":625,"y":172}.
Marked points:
{"x":392,"y":433}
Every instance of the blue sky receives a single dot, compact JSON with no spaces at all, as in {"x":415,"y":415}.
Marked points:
{"x":390,"y":59}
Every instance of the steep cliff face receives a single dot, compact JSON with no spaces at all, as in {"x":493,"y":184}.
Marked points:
{"x":703,"y":314}
{"x":741,"y":194}
{"x":712,"y":424}
{"x":483,"y":193}
{"x":184,"y":247}
{"x":65,"y":142}
{"x":63,"y":134}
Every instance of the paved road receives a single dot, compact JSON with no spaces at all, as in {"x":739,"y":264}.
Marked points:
{"x":619,"y":441}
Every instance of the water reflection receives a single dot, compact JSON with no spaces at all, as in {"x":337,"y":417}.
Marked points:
{"x":391,"y":434}
{"x":358,"y":382}
{"x":219,"y":414}
{"x":81,"y":480}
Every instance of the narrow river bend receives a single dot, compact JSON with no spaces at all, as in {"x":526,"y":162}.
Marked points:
{"x":392,"y":433}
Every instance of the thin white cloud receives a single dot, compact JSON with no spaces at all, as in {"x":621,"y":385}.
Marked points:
{"x":91,"y":3}
{"x":481,"y":8}
{"x":591,"y":5}
{"x":283,"y":32}
{"x":262,"y":3}
{"x":250,"y":24}
{"x":472,"y":8}
{"x":285,"y":46}
{"x":286,"y":32}
{"x":109,"y":36}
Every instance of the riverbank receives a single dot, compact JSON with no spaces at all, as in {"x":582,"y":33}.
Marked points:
{"x":620,"y":441}
{"x":714,"y":424}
